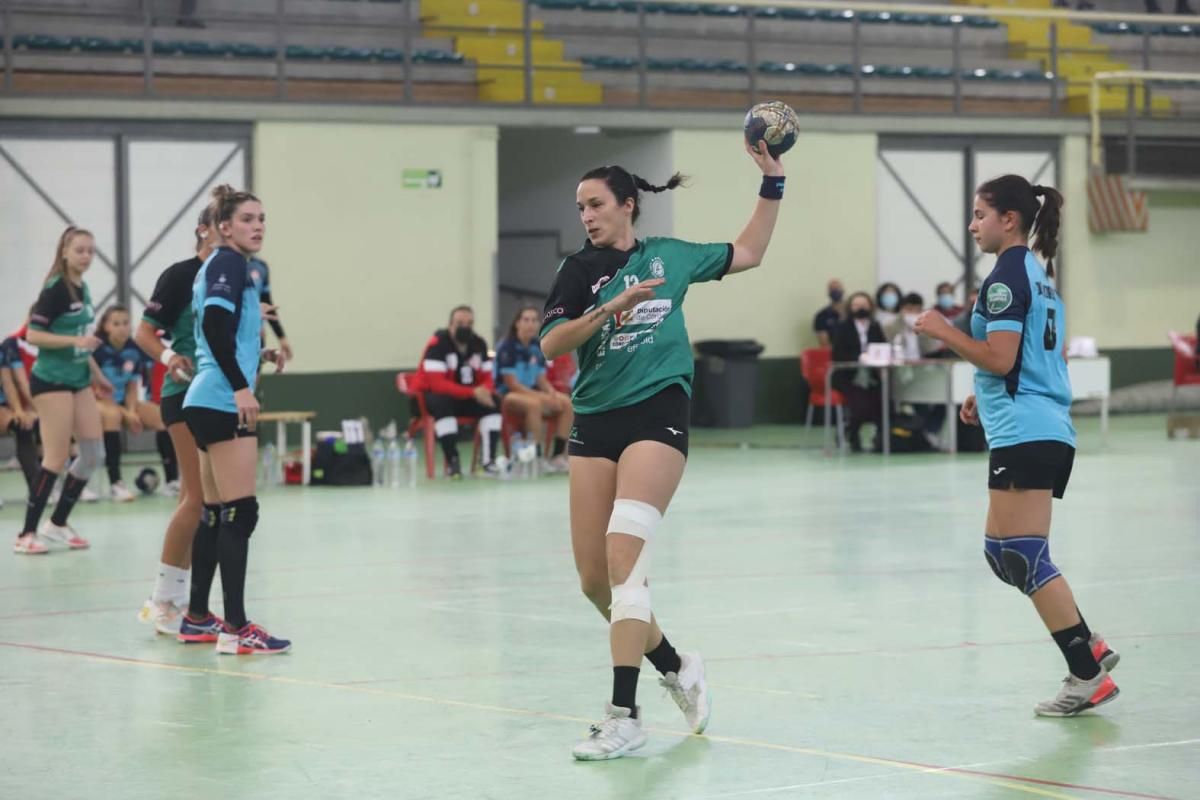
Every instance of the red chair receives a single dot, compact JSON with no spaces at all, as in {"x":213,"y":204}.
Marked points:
{"x":561,"y":372}
{"x":1187,"y":371}
{"x":814,"y":366}
{"x":422,"y":424}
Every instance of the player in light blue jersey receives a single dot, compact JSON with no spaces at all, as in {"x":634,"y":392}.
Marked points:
{"x":1023,"y":399}
{"x":221,"y":411}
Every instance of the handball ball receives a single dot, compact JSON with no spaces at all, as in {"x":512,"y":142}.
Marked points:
{"x":774,"y":123}
{"x":147,"y":481}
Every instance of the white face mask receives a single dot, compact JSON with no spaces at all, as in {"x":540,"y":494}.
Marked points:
{"x":910,"y":319}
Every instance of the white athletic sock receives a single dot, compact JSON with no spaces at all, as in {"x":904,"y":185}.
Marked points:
{"x":171,"y":584}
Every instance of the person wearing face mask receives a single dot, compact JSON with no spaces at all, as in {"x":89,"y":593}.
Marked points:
{"x":826,"y":320}
{"x":913,"y":345}
{"x":946,"y":302}
{"x":456,"y":375}
{"x":887,"y":304}
{"x":861,"y":388}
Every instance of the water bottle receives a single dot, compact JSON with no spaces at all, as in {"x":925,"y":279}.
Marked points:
{"x":378,"y":463}
{"x":410,"y":462}
{"x":268,"y":465}
{"x":394,"y":465}
{"x":517,"y":445}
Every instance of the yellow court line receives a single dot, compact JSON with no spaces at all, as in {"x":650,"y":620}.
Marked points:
{"x":753,"y":743}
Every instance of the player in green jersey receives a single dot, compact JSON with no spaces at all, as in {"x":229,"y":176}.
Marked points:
{"x":63,"y":377}
{"x":170,"y":311}
{"x":618,"y":302}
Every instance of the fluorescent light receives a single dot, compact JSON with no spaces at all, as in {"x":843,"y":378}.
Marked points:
{"x":587,"y":130}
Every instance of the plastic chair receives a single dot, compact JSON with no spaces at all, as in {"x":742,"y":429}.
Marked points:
{"x":1187,"y":367}
{"x":423,"y":425}
{"x":814,"y":366}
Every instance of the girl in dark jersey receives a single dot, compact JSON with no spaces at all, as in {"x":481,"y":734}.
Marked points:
{"x":62,"y":382}
{"x":618,"y":302}
{"x":170,"y":311}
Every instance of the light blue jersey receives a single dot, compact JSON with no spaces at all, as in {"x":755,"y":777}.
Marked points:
{"x":225,"y":281}
{"x":1032,"y":403}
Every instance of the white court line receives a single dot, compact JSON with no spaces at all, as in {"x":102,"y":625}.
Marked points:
{"x":859,"y":779}
{"x":1147,"y":746}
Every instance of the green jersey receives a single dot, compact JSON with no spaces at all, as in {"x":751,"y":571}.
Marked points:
{"x":646,"y":349}
{"x":60,"y":311}
{"x":170,"y":311}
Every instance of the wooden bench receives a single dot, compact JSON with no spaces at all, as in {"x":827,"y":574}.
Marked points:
{"x":282,"y":419}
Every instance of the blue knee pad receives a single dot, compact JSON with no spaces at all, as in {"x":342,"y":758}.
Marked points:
{"x":1023,"y":561}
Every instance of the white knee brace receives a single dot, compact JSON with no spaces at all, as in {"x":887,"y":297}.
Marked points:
{"x":631,"y":600}
{"x":91,"y":456}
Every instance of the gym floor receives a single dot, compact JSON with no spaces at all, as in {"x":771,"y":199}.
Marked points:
{"x":857,"y":644}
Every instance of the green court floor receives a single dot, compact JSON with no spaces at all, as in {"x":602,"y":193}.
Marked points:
{"x":857,"y":644}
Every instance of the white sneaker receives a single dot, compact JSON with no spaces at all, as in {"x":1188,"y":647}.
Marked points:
{"x":119,"y":493}
{"x":166,"y":616}
{"x":88,"y":496}
{"x":556,"y":466}
{"x":1079,"y":695}
{"x":617,"y":734}
{"x":169,"y":489}
{"x":689,"y":690}
{"x":30,"y":545}
{"x":62,"y":537}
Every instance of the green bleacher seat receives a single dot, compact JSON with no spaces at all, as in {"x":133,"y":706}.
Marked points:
{"x":390,"y":55}
{"x":600,"y":5}
{"x":341,"y":53}
{"x":722,"y":11}
{"x":302,"y":52}
{"x":43,"y":42}
{"x":242,"y":50}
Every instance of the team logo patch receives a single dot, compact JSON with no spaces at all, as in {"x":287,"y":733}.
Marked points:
{"x":999,"y":298}
{"x":657,"y":269}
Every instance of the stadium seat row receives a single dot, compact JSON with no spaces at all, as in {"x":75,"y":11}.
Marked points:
{"x":96,"y":44}
{"x":825,"y":70}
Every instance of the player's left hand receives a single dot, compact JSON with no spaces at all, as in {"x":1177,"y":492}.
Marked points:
{"x":276,"y":357}
{"x":766,"y":162}
{"x":102,"y":386}
{"x":133,"y":421}
{"x":269,"y":312}
{"x":933,"y":324}
{"x":26,"y":419}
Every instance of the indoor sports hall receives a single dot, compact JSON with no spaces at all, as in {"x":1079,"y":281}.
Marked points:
{"x":379,"y":335}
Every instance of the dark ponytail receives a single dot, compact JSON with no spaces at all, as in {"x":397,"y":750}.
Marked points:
{"x":1046,"y":224}
{"x":1014,"y":193}
{"x":624,"y":185}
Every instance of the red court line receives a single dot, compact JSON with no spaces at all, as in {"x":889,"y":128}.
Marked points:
{"x":881,"y":759}
{"x":1038,"y":781}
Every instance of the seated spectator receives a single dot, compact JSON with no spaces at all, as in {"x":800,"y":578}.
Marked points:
{"x":525,"y":389}
{"x":17,"y":415}
{"x":124,"y":365}
{"x":827,"y":319}
{"x":914,"y":346}
{"x":456,"y":376}
{"x":946,"y":302}
{"x":887,"y":303}
{"x":861,"y":388}
{"x":963,"y":320}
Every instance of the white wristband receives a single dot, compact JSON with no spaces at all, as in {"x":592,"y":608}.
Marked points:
{"x":167,"y":355}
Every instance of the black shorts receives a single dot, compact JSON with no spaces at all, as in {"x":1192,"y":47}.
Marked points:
{"x":209,"y":426}
{"x":172,"y":408}
{"x":38,"y":386}
{"x":1032,"y":465}
{"x":664,"y":417}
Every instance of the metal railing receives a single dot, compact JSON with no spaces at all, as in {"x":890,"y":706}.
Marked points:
{"x":952,"y":65}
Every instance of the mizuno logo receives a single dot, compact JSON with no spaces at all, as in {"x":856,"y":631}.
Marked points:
{"x":998,"y":471}
{"x":674,"y":432}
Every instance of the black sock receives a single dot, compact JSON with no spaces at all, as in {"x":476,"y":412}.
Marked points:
{"x":624,"y":693}
{"x":204,"y":560}
{"x":560,"y":446}
{"x":1073,"y":642}
{"x":1087,"y":632}
{"x":238,"y":520}
{"x":27,"y":456}
{"x":493,"y":445}
{"x":664,"y":658}
{"x":112,"y":455}
{"x":166,"y":451}
{"x":72,"y":488}
{"x":449,"y":444}
{"x":39,"y":495}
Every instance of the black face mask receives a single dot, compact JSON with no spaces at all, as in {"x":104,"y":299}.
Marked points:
{"x":836,"y":295}
{"x":862,"y":313}
{"x":463,"y":335}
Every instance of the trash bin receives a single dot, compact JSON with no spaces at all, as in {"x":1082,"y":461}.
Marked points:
{"x":726,"y":383}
